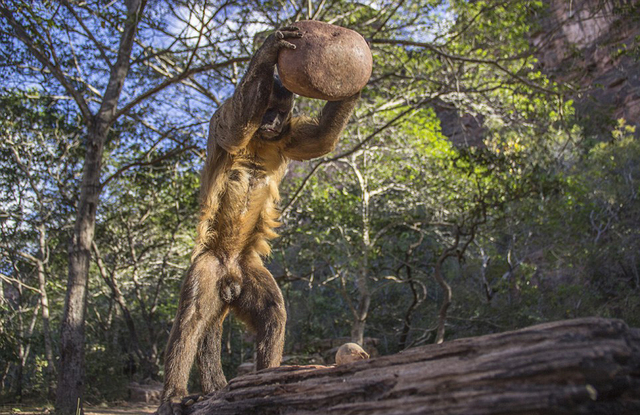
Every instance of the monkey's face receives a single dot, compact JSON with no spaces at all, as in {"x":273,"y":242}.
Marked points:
{"x":274,"y":121}
{"x":278,"y":113}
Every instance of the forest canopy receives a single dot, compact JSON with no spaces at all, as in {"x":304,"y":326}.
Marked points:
{"x":486,"y":181}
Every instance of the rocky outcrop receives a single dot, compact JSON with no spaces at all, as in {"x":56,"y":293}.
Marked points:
{"x":463,"y":129}
{"x":594,"y":45}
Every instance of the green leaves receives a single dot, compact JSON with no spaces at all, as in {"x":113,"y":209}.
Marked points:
{"x":459,"y":138}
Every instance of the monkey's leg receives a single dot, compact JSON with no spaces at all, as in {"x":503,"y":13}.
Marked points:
{"x":199,"y":303}
{"x":262,"y":307}
{"x":211,"y":374}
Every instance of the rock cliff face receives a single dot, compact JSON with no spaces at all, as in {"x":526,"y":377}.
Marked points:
{"x":463,"y":129}
{"x":595,"y":45}
{"x":592,"y":44}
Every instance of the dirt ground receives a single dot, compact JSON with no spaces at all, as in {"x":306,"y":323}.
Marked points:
{"x":123,"y":409}
{"x":127,"y":409}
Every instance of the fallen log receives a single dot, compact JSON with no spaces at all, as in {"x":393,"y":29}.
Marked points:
{"x":582,"y":366}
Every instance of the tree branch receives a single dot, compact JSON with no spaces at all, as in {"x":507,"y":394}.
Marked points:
{"x":88,"y":33}
{"x":145,"y":163}
{"x":23,"y":36}
{"x":496,"y":63}
{"x":176,"y":79}
{"x":107,"y":112}
{"x":24,"y":255}
{"x":352,"y":150}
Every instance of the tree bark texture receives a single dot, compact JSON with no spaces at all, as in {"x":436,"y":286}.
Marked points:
{"x":70,"y":388}
{"x":583,"y":366}
{"x":71,"y":372}
{"x":50,"y":370}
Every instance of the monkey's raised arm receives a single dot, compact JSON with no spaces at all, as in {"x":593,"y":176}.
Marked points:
{"x":237,"y":120}
{"x":311,"y":138}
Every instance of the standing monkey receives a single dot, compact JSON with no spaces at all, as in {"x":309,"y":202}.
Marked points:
{"x":252,"y":136}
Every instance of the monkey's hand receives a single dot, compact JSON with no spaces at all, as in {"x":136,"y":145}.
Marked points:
{"x":268,"y":52}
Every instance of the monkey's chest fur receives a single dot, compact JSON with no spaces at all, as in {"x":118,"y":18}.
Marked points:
{"x":239,"y":220}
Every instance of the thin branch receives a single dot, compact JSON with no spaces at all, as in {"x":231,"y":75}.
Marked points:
{"x":351,"y":151}
{"x":314,"y":16}
{"x":23,"y":36}
{"x":24,"y":255}
{"x":13,"y":280}
{"x":446,"y":288}
{"x":201,"y":89}
{"x":473,"y":19}
{"x":495,"y":63}
{"x":196,"y":151}
{"x":301,"y":187}
{"x":389,"y":16}
{"x":126,"y":167}
{"x":176,"y":79}
{"x":108,"y":109}
{"x":345,"y":294}
{"x":88,"y":33}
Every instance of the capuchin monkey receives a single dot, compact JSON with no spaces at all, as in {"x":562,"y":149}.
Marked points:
{"x":252,"y":137}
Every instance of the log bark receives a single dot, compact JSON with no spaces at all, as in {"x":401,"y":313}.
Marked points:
{"x":583,"y":366}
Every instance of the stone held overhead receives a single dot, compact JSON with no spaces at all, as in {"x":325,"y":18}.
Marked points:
{"x":330,"y":62}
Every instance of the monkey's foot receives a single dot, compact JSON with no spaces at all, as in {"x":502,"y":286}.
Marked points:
{"x":191,"y":399}
{"x":230,"y":290}
{"x":173,"y":407}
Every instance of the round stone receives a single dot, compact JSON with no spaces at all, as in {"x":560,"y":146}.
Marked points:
{"x":330,"y":62}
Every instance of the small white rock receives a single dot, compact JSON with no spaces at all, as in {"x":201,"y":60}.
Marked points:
{"x":350,"y":352}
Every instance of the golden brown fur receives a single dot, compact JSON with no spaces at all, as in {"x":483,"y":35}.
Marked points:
{"x":238,"y":196}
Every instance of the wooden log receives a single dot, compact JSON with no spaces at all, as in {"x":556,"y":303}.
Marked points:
{"x":582,"y":366}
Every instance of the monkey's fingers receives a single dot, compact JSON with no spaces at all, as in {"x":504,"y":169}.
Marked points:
{"x":289,"y":29}
{"x":288,"y":33}
{"x":285,"y":44}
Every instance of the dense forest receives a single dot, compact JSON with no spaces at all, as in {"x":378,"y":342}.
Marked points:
{"x":488,"y":180}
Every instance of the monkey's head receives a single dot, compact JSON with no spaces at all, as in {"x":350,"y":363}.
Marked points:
{"x":278,"y":114}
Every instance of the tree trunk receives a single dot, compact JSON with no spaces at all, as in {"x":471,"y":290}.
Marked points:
{"x":50,"y":370}
{"x":4,"y":365}
{"x":406,"y":326}
{"x":362,"y":310}
{"x":20,"y":373}
{"x":71,"y":371}
{"x":70,"y":381}
{"x":446,"y":291}
{"x":584,"y":366}
{"x":24,"y":348}
{"x":357,"y":331}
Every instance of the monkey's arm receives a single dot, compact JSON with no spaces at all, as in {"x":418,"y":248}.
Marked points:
{"x":238,"y":119}
{"x":311,"y":138}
